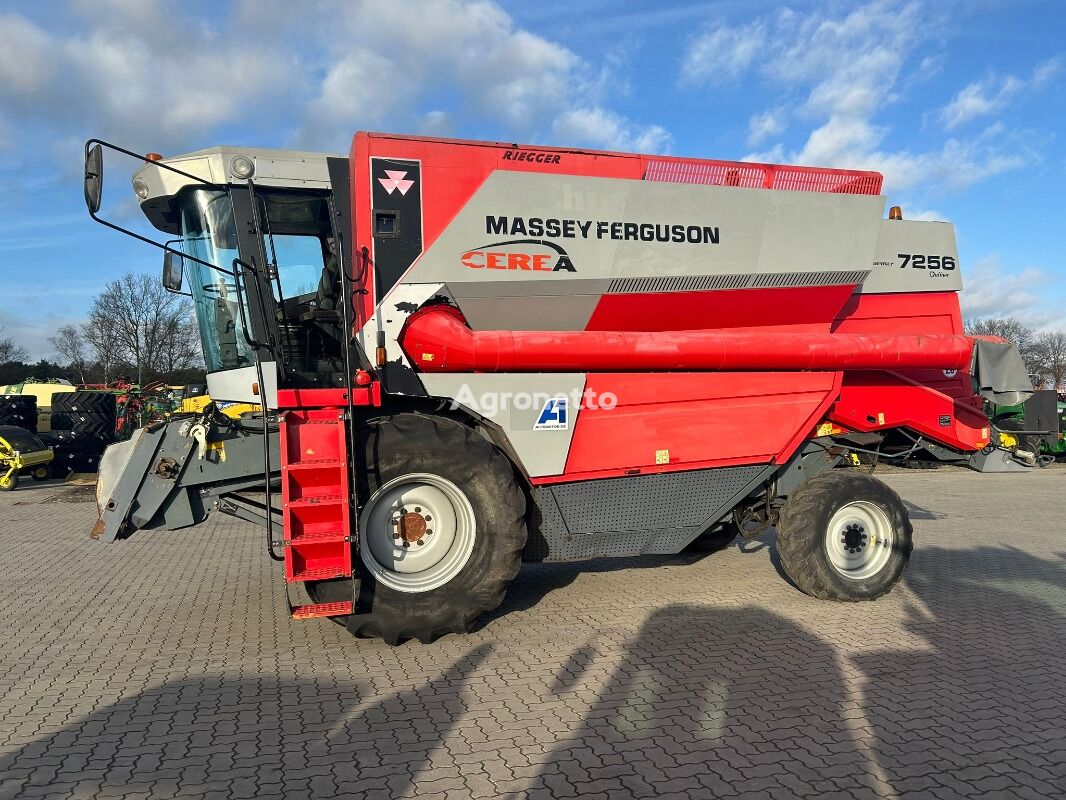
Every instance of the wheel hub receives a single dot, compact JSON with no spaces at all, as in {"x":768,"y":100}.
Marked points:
{"x":416,"y":532}
{"x":411,"y":527}
{"x":853,"y":537}
{"x":859,"y":540}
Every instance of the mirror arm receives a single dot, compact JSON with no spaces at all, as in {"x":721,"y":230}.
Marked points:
{"x":141,"y":157}
{"x":166,"y":247}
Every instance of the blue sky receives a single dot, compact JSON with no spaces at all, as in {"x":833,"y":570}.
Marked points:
{"x":959,"y":104}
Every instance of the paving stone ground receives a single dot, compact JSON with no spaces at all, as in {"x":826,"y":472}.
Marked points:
{"x":167,"y":667}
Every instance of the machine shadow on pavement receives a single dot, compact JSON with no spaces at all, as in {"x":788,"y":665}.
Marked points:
{"x":712,"y":701}
{"x":702,"y":700}
{"x":258,"y":737}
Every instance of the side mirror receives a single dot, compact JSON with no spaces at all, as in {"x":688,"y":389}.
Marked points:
{"x":94,"y":177}
{"x":173,"y":268}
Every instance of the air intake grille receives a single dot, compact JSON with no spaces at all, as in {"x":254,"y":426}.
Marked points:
{"x":704,"y":283}
{"x":687,"y":283}
{"x":763,"y":176}
{"x":791,"y":279}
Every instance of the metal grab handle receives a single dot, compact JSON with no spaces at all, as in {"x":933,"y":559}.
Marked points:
{"x":239,"y":291}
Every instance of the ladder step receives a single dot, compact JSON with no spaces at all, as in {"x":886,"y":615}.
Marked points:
{"x":325,"y":462}
{"x":318,"y":538}
{"x":313,"y":610}
{"x":323,"y":500}
{"x":320,"y":574}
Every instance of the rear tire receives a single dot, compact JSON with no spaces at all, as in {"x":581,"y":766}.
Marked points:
{"x":844,"y":536}
{"x":453,"y":469}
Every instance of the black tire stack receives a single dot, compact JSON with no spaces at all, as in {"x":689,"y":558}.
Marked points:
{"x":83,"y":425}
{"x":19,"y":410}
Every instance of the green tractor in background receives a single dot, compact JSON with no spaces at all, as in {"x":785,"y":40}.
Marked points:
{"x":1037,"y":426}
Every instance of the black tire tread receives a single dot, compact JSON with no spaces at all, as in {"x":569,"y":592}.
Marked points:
{"x":85,"y":402}
{"x":396,"y":616}
{"x":800,"y":534}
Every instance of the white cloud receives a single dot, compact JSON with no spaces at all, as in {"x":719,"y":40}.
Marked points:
{"x":597,"y":127}
{"x":721,"y":53}
{"x":994,"y":93}
{"x":25,"y":65}
{"x":436,"y":123}
{"x":850,"y":66}
{"x":762,"y":126}
{"x":32,"y":330}
{"x":494,"y":71}
{"x":120,"y":78}
{"x":376,"y":64}
{"x":993,"y":291}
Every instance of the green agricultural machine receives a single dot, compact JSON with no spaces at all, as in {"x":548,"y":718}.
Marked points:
{"x":1037,"y":426}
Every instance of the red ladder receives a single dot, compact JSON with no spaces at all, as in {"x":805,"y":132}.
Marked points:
{"x":315,"y":503}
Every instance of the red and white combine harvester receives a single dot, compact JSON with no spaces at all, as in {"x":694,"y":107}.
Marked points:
{"x":477,"y":354}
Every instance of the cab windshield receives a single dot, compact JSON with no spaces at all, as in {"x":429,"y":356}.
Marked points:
{"x":209,"y":233}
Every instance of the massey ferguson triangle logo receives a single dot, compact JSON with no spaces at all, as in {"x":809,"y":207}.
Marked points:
{"x":397,"y":180}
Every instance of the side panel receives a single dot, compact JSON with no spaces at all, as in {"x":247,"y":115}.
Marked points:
{"x":515,"y":403}
{"x":634,"y":515}
{"x":873,"y":401}
{"x":929,"y":312}
{"x":672,"y":421}
{"x":915,"y":257}
{"x":785,"y":309}
{"x":396,"y":186}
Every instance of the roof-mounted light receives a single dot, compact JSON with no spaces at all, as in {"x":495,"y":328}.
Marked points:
{"x":153,"y":157}
{"x":140,"y":188}
{"x":241,"y":167}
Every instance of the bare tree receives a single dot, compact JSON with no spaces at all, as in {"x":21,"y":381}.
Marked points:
{"x":144,"y":324}
{"x":102,"y":335}
{"x":1051,"y":346}
{"x":70,"y":346}
{"x":9,"y":351}
{"x":1014,"y":331}
{"x":179,"y":346}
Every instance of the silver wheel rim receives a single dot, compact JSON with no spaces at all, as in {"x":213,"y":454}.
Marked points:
{"x":417,"y":532}
{"x":859,"y":540}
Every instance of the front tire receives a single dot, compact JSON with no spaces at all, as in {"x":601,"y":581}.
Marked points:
{"x":844,"y":536}
{"x":442,"y":529}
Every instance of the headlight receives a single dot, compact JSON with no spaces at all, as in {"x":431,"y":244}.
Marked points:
{"x":140,"y":188}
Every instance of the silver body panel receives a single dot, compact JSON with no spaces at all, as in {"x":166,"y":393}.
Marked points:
{"x":760,"y":231}
{"x":283,"y":168}
{"x":541,"y":452}
{"x":913,"y":238}
{"x":235,"y":385}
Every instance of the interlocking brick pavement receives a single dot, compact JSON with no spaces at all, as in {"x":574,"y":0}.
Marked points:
{"x":167,"y":667}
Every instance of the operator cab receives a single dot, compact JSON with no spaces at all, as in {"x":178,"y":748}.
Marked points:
{"x":261,"y":233}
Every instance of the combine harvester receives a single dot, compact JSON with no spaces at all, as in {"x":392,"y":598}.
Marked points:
{"x":482,"y":354}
